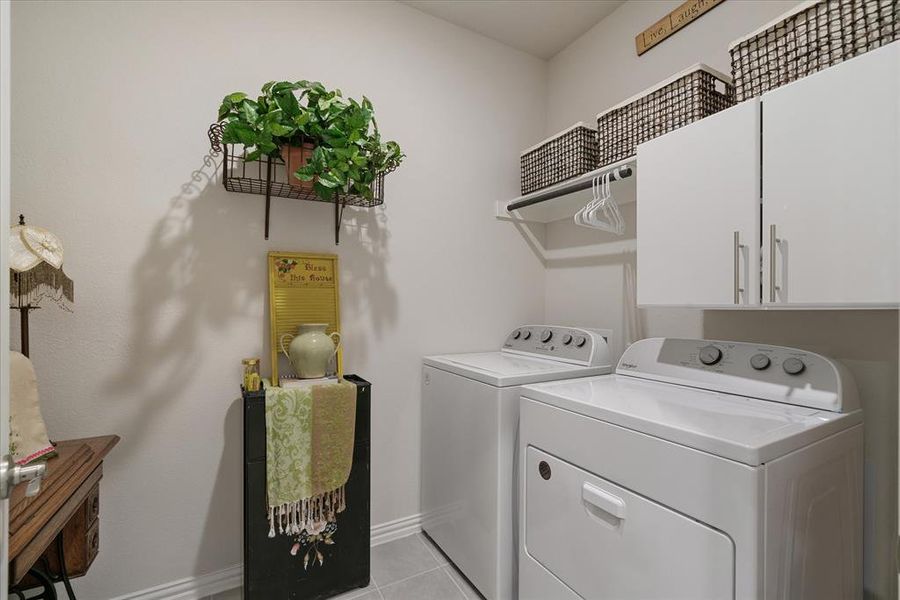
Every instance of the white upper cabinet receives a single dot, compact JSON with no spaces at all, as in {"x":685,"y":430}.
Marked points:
{"x":831,"y":185}
{"x":809,"y":178}
{"x":698,"y":213}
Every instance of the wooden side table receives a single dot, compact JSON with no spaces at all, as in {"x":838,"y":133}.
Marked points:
{"x":55,"y":536}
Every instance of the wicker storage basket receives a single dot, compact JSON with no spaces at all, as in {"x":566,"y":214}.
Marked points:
{"x":813,"y":36}
{"x":568,"y":154}
{"x":680,"y":100}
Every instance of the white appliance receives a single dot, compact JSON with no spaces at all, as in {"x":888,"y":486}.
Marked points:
{"x":470,"y":412}
{"x":699,"y":470}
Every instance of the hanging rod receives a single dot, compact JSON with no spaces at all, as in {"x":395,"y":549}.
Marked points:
{"x":582,"y":183}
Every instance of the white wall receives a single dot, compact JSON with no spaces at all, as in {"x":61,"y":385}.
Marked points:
{"x":111,"y":106}
{"x":601,"y":69}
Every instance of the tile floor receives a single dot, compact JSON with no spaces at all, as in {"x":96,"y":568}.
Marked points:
{"x":411,"y":568}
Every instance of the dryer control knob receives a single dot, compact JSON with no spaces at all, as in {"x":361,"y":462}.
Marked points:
{"x":710,"y":355}
{"x":546,"y":335}
{"x":760,"y":361}
{"x":580,"y":340}
{"x":526,"y":334}
{"x":793,"y":366}
{"x":567,"y":339}
{"x":516,"y":334}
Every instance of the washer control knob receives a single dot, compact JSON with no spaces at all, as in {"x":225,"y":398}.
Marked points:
{"x":793,"y":366}
{"x":516,"y":334}
{"x":710,"y":355}
{"x":760,"y":361}
{"x":580,"y":340}
{"x":567,"y":339}
{"x":526,"y":334}
{"x":546,"y":335}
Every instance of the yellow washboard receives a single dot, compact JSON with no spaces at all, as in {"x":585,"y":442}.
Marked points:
{"x":303,"y":288}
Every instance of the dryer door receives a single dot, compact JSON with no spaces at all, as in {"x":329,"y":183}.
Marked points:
{"x":602,"y":541}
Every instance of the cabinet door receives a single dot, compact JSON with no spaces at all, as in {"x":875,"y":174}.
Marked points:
{"x":698,"y":213}
{"x":831,"y":191}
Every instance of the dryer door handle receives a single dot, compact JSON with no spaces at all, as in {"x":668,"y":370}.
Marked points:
{"x":605,"y":501}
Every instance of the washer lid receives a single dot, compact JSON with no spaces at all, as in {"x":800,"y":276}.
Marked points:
{"x":504,"y":369}
{"x":740,"y":428}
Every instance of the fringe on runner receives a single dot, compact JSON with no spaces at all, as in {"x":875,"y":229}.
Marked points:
{"x":310,"y":514}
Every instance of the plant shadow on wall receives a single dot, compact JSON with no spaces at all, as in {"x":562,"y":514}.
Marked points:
{"x":367,"y":294}
{"x":180,"y":291}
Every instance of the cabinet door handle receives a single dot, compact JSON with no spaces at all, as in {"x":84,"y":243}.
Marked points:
{"x":773,"y":240}
{"x":737,"y":267}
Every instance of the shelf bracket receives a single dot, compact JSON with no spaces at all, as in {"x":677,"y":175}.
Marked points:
{"x":339,"y":204}
{"x":268,"y":192}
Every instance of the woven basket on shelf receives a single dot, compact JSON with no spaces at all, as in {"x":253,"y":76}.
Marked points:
{"x":813,"y":36}
{"x":567,"y":154}
{"x":680,"y":100}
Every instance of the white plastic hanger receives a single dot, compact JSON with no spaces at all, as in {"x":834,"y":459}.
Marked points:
{"x":581,"y":215}
{"x":607,"y":216}
{"x":601,"y":212}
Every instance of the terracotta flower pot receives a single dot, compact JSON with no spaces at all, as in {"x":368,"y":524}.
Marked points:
{"x":294,"y":158}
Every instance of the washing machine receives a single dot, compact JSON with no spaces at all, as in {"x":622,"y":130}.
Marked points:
{"x":699,"y":470}
{"x":470,"y":412}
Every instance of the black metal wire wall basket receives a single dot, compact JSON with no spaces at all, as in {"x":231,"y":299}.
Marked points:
{"x":680,"y":100}
{"x":809,"y":39}
{"x":269,"y":177}
{"x":568,"y":154}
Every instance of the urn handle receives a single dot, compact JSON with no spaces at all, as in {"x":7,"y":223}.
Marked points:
{"x":281,"y":343}
{"x":337,"y":342}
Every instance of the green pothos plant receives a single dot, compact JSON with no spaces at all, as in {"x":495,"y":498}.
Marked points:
{"x":349,"y":153}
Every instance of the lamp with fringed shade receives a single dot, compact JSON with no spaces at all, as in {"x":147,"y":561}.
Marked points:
{"x":36,"y":275}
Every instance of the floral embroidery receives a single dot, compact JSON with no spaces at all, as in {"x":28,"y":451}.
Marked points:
{"x":310,"y":543}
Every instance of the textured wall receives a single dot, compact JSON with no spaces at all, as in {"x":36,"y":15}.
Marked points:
{"x":111,"y":105}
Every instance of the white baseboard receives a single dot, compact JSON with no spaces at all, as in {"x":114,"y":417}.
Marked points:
{"x":192,"y":588}
{"x":396,"y":529}
{"x":202,"y":586}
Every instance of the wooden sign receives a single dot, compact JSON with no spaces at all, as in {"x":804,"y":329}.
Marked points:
{"x":303,"y":288}
{"x":672,"y":22}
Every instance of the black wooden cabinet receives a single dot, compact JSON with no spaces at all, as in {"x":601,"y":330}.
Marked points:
{"x":270,"y":571}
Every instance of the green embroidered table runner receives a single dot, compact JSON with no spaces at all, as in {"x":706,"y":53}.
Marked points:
{"x":309,"y":452}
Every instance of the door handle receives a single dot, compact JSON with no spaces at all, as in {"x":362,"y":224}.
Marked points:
{"x":609,"y":503}
{"x":12,"y":475}
{"x":773,"y":241}
{"x":737,"y":267}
